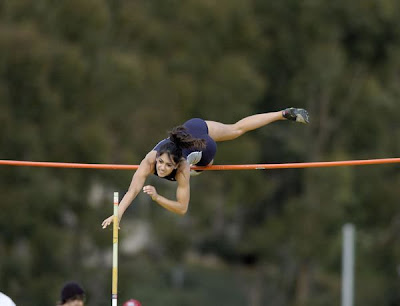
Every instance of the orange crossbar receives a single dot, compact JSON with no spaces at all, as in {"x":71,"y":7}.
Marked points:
{"x":214,"y":167}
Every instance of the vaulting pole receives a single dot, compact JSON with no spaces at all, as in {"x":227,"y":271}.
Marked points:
{"x":114,"y":296}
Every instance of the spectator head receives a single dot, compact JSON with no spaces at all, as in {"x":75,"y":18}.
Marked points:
{"x":132,"y":302}
{"x":72,"y":295}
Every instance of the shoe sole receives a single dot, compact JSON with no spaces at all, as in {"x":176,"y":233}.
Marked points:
{"x":303,"y":117}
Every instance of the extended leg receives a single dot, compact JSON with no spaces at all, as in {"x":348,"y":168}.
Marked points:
{"x":222,"y":132}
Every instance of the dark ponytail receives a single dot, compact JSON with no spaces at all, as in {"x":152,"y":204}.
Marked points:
{"x":180,"y":139}
{"x":180,"y":136}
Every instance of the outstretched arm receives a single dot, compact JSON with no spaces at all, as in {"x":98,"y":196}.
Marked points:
{"x":138,"y":179}
{"x":181,"y":204}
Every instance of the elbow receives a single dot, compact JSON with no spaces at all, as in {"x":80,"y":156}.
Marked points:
{"x":182,"y":210}
{"x":181,"y":213}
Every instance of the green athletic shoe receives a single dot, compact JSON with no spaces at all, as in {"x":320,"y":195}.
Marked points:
{"x":296,"y":114}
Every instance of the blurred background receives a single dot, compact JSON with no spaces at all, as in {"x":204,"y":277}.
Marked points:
{"x":102,"y":81}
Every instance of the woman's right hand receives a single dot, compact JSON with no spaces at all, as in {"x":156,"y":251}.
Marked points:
{"x":107,"y":221}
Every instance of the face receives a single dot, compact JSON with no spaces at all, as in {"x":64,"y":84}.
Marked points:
{"x":74,"y":303}
{"x":165,"y":165}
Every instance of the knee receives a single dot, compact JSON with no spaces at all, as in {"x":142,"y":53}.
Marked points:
{"x":238,"y":131}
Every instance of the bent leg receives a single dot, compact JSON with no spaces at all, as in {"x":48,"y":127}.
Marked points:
{"x":198,"y":172}
{"x":222,"y":132}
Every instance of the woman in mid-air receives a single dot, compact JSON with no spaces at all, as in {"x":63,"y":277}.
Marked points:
{"x":193,"y":143}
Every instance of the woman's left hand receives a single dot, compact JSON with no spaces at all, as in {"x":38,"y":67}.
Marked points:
{"x":151,"y":191}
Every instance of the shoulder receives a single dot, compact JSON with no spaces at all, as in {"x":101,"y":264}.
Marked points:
{"x":183,"y":171}
{"x":151,"y":156}
{"x":148,"y":162}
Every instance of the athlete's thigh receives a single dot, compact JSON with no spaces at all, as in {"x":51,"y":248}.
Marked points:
{"x":220,"y":131}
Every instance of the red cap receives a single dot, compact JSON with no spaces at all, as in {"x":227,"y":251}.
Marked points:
{"x":132,"y":302}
